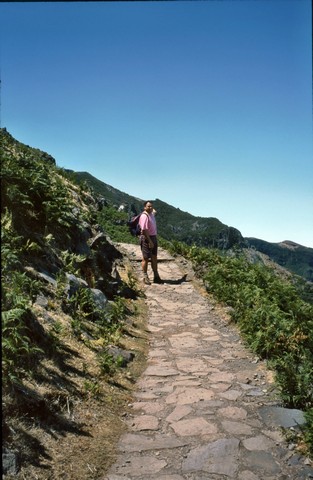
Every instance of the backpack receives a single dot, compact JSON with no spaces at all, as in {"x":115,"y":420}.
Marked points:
{"x":133,"y":225}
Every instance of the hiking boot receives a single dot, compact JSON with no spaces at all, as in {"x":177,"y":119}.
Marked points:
{"x":146,"y":280}
{"x":157,"y":279}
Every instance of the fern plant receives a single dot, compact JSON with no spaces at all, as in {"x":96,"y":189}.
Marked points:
{"x":17,"y":348}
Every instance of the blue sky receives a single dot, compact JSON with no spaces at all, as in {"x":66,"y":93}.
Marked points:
{"x":206,"y":105}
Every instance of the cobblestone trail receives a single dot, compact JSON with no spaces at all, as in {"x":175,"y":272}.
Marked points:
{"x":204,"y":405}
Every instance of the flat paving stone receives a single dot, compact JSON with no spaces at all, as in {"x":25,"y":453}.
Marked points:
{"x":147,"y":465}
{"x":193,"y":426}
{"x":233,"y":412}
{"x":231,"y":394}
{"x":221,"y":377}
{"x":237,"y":428}
{"x":205,"y":408}
{"x":219,"y":457}
{"x":145,"y":422}
{"x":192,"y":365}
{"x":178,"y":413}
{"x":263,"y":461}
{"x":260,"y":442}
{"x":148,"y":407}
{"x":184,"y":396}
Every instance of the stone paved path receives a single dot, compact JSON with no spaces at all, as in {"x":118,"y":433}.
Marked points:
{"x":202,"y":406}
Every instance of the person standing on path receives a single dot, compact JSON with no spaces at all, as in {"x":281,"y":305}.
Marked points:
{"x":149,"y":242}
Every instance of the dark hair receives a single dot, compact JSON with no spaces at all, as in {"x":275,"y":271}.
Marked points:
{"x":147,"y":201}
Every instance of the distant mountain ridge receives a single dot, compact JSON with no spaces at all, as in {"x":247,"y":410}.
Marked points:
{"x":290,"y":255}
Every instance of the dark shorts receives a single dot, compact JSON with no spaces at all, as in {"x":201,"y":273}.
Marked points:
{"x":146,"y":250}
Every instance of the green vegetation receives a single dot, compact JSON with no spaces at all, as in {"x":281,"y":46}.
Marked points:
{"x":42,"y":215}
{"x":114,"y":224}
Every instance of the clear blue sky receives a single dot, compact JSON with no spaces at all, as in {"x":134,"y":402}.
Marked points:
{"x":206,"y":105}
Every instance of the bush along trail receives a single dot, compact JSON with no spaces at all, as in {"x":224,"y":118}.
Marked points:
{"x":205,"y":407}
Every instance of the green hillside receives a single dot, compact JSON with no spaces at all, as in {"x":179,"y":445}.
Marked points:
{"x":173,"y":223}
{"x":295,"y":258}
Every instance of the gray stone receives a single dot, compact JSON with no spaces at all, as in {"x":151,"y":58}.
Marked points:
{"x":178,"y":413}
{"x":47,"y":278}
{"x":100,"y":238}
{"x":191,"y":365}
{"x":236,"y":428}
{"x":144,"y":422}
{"x":185,"y":396}
{"x":259,"y":442}
{"x":42,"y":301}
{"x":231,"y":394}
{"x":282,"y":417}
{"x":221,"y":377}
{"x":233,"y":412}
{"x":219,"y":457}
{"x":74,"y":284}
{"x":10,"y":462}
{"x":200,"y":374}
{"x":148,"y":407}
{"x":144,"y":465}
{"x":99,"y":298}
{"x":124,"y":356}
{"x":256,"y":392}
{"x":261,"y":460}
{"x":194,"y":426}
{"x":247,"y":475}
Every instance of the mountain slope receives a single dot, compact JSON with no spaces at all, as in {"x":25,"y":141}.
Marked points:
{"x":292,"y":256}
{"x":173,"y":223}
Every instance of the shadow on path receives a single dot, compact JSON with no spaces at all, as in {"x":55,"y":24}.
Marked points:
{"x":176,"y":282}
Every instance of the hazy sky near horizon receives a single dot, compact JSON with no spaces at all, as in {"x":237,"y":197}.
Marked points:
{"x":206,"y":105}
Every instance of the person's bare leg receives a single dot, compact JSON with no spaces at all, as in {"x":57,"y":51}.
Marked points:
{"x":144,"y":266}
{"x":154,"y":265}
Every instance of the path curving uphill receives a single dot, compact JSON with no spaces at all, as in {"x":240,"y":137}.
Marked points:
{"x":205,"y":408}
